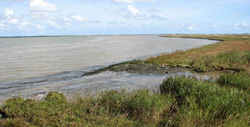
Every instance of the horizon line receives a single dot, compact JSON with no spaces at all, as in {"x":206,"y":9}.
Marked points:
{"x":122,"y":35}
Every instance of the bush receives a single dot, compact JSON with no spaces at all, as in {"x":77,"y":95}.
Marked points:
{"x":55,"y":97}
{"x":13,"y":107}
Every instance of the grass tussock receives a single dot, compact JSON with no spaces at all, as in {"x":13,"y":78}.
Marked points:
{"x":181,"y":101}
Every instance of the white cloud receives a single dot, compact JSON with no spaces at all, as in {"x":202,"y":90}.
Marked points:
{"x":2,"y":23}
{"x":156,"y":17}
{"x":245,"y":25}
{"x":66,"y":19}
{"x":129,"y":12}
{"x":39,"y":27}
{"x":23,"y":26}
{"x":24,"y":23}
{"x":236,"y":25}
{"x":116,"y":22}
{"x":11,"y":17}
{"x":40,"y":15}
{"x":41,"y":8}
{"x":13,"y":21}
{"x":241,"y":25}
{"x":52,"y":23}
{"x":132,"y":1}
{"x":68,"y":26}
{"x":40,"y":5}
{"x":132,"y":10}
{"x":123,"y":13}
{"x":192,"y":27}
{"x":8,"y":12}
{"x":79,"y":18}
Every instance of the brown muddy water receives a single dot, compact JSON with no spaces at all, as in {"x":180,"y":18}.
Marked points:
{"x":35,"y":65}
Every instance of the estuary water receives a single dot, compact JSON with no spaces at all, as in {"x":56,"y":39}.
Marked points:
{"x":36,"y":65}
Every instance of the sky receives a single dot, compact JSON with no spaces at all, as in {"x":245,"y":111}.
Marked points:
{"x":109,"y":17}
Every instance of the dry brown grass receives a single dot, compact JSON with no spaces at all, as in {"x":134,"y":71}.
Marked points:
{"x":241,"y":45}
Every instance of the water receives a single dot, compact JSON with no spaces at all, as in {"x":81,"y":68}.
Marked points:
{"x":36,"y":65}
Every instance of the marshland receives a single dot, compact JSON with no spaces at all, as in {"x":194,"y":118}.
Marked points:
{"x":179,"y":100}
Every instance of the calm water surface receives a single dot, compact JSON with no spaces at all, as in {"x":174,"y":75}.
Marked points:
{"x":39,"y":64}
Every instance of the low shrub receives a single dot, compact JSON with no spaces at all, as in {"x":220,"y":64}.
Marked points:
{"x":55,"y":97}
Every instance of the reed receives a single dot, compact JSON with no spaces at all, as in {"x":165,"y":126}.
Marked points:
{"x":181,"y":101}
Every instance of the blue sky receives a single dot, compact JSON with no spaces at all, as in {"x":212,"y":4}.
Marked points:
{"x":104,"y":17}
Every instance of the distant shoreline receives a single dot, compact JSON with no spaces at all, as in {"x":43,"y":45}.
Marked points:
{"x":161,"y":35}
{"x":75,"y":35}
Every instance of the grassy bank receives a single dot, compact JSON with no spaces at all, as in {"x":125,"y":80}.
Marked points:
{"x":232,"y":53}
{"x":181,"y":101}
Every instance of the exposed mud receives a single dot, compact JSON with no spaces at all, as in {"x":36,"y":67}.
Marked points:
{"x":139,"y":67}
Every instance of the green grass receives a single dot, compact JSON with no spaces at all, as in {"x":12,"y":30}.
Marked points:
{"x":111,"y":108}
{"x":181,"y":101}
{"x":230,"y":60}
{"x":205,"y":101}
{"x":241,"y":81}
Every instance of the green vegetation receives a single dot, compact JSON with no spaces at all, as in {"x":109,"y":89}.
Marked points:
{"x":230,"y":60}
{"x":240,"y":81}
{"x":233,"y":53}
{"x":181,"y":101}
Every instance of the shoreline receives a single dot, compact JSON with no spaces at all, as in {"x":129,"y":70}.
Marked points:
{"x":131,"y":68}
{"x":149,"y":66}
{"x":141,"y":66}
{"x":181,"y":100}
{"x":210,"y":57}
{"x":138,"y":67}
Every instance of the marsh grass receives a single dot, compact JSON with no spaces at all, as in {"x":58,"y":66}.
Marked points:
{"x":241,"y":81}
{"x":181,"y":101}
{"x":232,"y":53}
{"x":110,"y":108}
{"x":205,"y":103}
{"x":230,"y":60}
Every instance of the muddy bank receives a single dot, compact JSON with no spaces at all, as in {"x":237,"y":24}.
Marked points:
{"x":139,"y":67}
